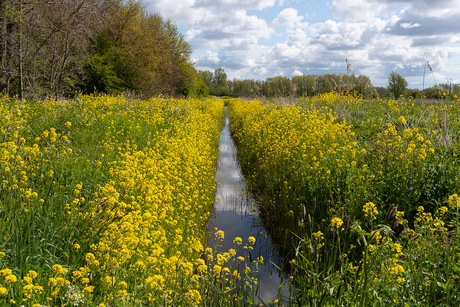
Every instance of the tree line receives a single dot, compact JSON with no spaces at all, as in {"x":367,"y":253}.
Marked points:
{"x":59,"y":48}
{"x":310,"y":85}
{"x":280,"y":86}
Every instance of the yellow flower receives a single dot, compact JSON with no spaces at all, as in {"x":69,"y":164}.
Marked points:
{"x":336,"y":223}
{"x":194,"y":296}
{"x":453,"y":201}
{"x":238,"y":240}
{"x":370,"y":210}
{"x":11,"y":278}
{"x":58,"y":269}
{"x":318,"y":235}
{"x":32,"y":274}
{"x":220,"y":235}
{"x":402,"y":120}
{"x":90,"y":258}
{"x":123,"y":284}
{"x":216,"y":270}
{"x":3,"y":291}
{"x":88,"y":289}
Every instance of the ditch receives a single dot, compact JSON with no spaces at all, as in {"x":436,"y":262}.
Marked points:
{"x":235,"y":213}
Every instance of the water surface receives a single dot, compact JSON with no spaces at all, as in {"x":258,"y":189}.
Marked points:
{"x":235,"y":213}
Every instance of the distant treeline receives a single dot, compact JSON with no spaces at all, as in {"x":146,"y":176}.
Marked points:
{"x":310,"y":85}
{"x":63,"y":47}
{"x":280,"y":86}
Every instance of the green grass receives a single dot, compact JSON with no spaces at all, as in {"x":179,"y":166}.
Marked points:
{"x":328,"y":159}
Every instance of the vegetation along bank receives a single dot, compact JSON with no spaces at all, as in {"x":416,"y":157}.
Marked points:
{"x":361,"y":195}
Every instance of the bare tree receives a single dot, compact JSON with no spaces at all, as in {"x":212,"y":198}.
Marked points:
{"x":45,"y":43}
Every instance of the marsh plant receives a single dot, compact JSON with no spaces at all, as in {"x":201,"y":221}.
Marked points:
{"x":360,"y":193}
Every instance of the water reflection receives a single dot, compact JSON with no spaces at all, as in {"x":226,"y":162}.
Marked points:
{"x":235,"y":213}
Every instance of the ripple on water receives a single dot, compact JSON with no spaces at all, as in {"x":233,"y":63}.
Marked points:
{"x":235,"y":213}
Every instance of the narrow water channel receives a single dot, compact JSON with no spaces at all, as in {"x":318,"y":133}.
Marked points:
{"x":235,"y":213}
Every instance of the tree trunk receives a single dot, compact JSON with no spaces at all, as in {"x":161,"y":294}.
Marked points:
{"x":21,"y":64}
{"x":3,"y":49}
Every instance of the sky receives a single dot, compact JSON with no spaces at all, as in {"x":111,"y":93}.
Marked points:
{"x":258,"y":39}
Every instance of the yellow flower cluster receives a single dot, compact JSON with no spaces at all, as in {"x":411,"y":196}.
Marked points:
{"x":454,"y":202}
{"x":336,"y":223}
{"x":158,"y":199}
{"x":134,"y":179}
{"x":370,"y":211}
{"x":293,"y":154}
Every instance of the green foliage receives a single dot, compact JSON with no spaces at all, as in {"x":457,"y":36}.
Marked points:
{"x":433,"y":93}
{"x":107,"y":73}
{"x":196,"y":88}
{"x":318,"y":178}
{"x":418,"y":269}
{"x":206,"y":76}
{"x":110,"y":46}
{"x":298,"y":86}
{"x":218,"y":85}
{"x":304,"y":85}
{"x":397,"y":85}
{"x":277,"y":87}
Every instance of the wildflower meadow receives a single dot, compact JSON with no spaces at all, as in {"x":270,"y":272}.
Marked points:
{"x":360,"y":194}
{"x":105,"y":200}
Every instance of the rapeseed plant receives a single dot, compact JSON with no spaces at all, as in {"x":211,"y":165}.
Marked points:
{"x":106,"y":199}
{"x":335,"y":162}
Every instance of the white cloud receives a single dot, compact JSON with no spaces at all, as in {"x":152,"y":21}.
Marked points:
{"x":231,"y":4}
{"x":284,"y":51}
{"x":435,"y":9}
{"x":209,"y":58}
{"x":204,"y":12}
{"x":332,"y":33}
{"x":288,"y":18}
{"x":377,"y":36}
{"x":359,"y":10}
{"x":297,"y":73}
{"x":408,"y":25}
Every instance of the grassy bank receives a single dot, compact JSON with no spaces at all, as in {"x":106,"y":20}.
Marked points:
{"x":361,"y":193}
{"x":104,"y":200}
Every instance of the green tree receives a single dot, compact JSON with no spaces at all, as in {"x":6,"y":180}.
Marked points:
{"x":277,"y":86}
{"x":397,"y":85}
{"x":219,"y":78}
{"x":44,"y":43}
{"x":219,"y":85}
{"x":206,"y":76}
{"x":141,"y":52}
{"x":57,"y":48}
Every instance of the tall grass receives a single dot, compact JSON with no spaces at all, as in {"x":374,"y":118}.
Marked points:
{"x":104,"y":200}
{"x":356,"y":191}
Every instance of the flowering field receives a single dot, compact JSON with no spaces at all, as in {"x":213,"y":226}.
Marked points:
{"x":104,"y":200}
{"x":361,"y":193}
